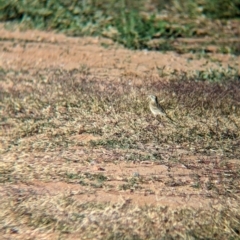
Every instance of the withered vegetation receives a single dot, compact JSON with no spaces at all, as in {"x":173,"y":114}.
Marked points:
{"x":43,"y":111}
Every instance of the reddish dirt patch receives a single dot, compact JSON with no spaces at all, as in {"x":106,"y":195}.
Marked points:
{"x":34,"y":49}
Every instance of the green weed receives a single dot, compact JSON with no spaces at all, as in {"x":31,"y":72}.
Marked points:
{"x":131,"y":23}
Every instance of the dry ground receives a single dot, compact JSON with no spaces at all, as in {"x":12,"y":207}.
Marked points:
{"x":79,"y":146}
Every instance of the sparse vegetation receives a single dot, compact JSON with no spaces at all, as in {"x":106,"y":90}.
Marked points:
{"x":70,"y":140}
{"x":42,"y":116}
{"x":207,"y":112}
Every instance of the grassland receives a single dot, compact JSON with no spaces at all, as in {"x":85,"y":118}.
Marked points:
{"x":61,"y":104}
{"x":48,"y":178}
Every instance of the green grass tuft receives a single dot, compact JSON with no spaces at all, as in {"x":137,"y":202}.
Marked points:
{"x":135,"y":24}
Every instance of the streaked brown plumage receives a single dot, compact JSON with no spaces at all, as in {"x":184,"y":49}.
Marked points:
{"x":156,"y":108}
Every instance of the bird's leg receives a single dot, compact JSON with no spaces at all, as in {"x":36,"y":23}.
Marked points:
{"x":160,"y":120}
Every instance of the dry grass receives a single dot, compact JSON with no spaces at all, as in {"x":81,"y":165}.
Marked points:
{"x":57,"y":104}
{"x":42,"y":111}
{"x":66,"y":217}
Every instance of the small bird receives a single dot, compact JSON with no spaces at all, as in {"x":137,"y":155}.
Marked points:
{"x":156,"y":108}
